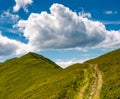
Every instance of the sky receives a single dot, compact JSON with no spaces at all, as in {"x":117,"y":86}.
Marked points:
{"x":65,"y":31}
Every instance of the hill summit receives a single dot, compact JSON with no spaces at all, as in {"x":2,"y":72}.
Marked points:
{"x":34,"y":76}
{"x":35,"y":56}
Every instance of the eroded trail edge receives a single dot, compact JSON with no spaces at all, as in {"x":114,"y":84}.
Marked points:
{"x":92,"y":83}
{"x":99,"y":82}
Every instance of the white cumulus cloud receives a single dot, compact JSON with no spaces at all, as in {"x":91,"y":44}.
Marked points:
{"x":9,"y":46}
{"x":62,"y":29}
{"x":21,"y":4}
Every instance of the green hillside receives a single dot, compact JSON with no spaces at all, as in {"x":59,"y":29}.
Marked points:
{"x":109,"y":65}
{"x":18,"y":75}
{"x":33,"y":76}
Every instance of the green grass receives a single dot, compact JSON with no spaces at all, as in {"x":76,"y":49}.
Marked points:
{"x":109,"y":65}
{"x":19,"y":74}
{"x":36,"y":77}
{"x":33,"y":76}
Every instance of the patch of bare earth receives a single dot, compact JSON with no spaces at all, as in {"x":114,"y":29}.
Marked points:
{"x":95,"y":88}
{"x":97,"y":85}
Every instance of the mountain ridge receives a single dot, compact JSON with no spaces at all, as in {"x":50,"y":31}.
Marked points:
{"x":40,"y":57}
{"x":34,"y":76}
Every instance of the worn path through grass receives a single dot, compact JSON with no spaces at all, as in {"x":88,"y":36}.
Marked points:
{"x":92,"y":84}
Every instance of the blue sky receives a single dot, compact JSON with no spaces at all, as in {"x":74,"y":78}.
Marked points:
{"x":66,"y":31}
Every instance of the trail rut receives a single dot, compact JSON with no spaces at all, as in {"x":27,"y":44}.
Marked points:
{"x":91,"y":89}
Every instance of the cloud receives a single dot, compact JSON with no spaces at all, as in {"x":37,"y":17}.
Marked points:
{"x":85,"y":14}
{"x":65,"y":64}
{"x":9,"y":46}
{"x":111,"y":12}
{"x":112,"y":39}
{"x":111,"y":22}
{"x":8,"y":18}
{"x":22,"y":4}
{"x":64,"y":29}
{"x":88,"y":15}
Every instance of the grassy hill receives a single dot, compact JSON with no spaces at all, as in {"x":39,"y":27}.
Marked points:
{"x":33,"y":76}
{"x":19,"y":74}
{"x":109,"y":65}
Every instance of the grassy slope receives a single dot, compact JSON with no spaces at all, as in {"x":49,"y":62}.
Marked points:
{"x":19,"y":74}
{"x":109,"y":64}
{"x":36,"y":77}
{"x":33,"y":76}
{"x":65,"y":84}
{"x":62,"y":85}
